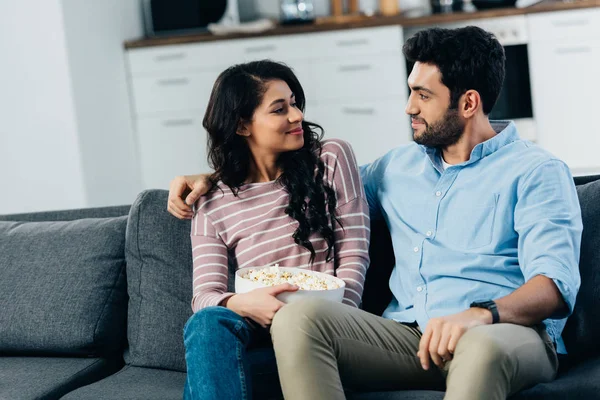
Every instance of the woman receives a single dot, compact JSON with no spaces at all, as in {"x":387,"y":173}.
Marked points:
{"x":279,"y":195}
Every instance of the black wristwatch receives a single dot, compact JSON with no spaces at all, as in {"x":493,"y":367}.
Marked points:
{"x":490,"y":305}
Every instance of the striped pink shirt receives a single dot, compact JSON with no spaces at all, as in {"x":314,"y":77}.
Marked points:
{"x":253,"y":230}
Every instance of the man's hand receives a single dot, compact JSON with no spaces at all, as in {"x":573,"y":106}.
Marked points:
{"x":190,"y":187}
{"x":442,"y":334}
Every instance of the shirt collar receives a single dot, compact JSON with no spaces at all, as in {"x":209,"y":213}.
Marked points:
{"x":506,"y":133}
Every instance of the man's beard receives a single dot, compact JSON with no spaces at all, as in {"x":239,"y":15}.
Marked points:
{"x":443,"y":133}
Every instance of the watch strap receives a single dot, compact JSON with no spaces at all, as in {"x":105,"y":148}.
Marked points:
{"x":490,"y":305}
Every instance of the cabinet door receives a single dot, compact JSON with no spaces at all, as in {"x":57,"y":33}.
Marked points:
{"x":361,"y":78}
{"x":303,"y":71}
{"x":170,"y":146}
{"x":182,"y":58}
{"x":353,"y":42}
{"x":572,"y":24}
{"x":565,"y":85}
{"x":372,"y":128}
{"x":172,"y":91}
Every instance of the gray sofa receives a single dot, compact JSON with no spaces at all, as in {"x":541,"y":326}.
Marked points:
{"x":93,"y":303}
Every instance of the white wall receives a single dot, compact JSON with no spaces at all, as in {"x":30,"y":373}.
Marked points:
{"x":66,"y":136}
{"x":95,"y":32}
{"x":40,"y":166}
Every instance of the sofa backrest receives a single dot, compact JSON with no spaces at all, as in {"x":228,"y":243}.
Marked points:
{"x":69,"y":215}
{"x":159,"y":281}
{"x":377,"y":294}
{"x":62,"y":284}
{"x":159,"y":274}
{"x":583,"y":327}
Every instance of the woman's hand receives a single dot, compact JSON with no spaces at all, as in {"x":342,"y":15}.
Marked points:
{"x":189,"y":186}
{"x":260,"y":305}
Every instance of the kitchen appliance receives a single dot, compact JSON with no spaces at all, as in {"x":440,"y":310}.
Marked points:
{"x":296,"y":11}
{"x":446,"y":6}
{"x":515,"y":100}
{"x":172,"y":17}
{"x":486,"y":4}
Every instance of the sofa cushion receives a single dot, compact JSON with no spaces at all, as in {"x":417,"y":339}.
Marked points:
{"x":134,"y":383}
{"x":159,"y":280}
{"x":579,"y":382}
{"x":62,"y":287}
{"x":26,"y":378}
{"x":583,"y":330}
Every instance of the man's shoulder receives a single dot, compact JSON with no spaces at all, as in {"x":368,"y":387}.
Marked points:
{"x":530,"y":155}
{"x":405,"y":154}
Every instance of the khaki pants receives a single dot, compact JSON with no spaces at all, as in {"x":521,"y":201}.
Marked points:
{"x":323,"y":348}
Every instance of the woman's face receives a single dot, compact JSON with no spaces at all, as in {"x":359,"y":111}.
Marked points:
{"x":276,"y":125}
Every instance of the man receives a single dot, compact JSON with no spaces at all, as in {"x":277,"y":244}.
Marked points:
{"x":486,"y":230}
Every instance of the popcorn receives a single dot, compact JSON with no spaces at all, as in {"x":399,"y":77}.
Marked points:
{"x":271,"y":276}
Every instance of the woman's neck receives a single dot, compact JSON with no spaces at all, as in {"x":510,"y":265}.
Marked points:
{"x":263,"y":169}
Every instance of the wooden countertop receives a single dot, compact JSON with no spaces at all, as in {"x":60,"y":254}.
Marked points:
{"x":409,"y":18}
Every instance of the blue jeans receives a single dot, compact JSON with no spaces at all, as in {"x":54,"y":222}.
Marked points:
{"x":228,"y":357}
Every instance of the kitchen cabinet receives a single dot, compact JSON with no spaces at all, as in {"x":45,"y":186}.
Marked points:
{"x":564,"y":55}
{"x":171,"y":144}
{"x":373,"y":127}
{"x":354,"y":81}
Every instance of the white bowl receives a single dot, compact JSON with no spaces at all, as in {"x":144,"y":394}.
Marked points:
{"x":243,"y":285}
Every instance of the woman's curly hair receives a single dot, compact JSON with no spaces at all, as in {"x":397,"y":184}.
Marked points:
{"x":236,"y":94}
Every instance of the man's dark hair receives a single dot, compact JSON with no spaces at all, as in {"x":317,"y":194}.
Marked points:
{"x":469,"y":59}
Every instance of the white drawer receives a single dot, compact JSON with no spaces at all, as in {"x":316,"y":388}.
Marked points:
{"x":287,"y":47}
{"x":184,"y":91}
{"x":360,"y":77}
{"x":221,"y":53}
{"x":372,"y":128}
{"x":552,"y":26}
{"x":181,"y":58}
{"x":560,"y":107}
{"x":353,"y":42}
{"x":304,"y":72}
{"x":171,"y":146}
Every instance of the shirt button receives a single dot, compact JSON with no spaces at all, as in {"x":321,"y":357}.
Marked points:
{"x":438,"y":193}
{"x":429,"y":233}
{"x":416,"y":249}
{"x":419,"y":288}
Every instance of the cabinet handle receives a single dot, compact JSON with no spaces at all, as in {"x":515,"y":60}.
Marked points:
{"x":178,"y":122}
{"x":358,"y":111}
{"x":173,"y":81}
{"x":352,"y":68}
{"x":170,"y":57}
{"x":351,"y":43}
{"x":570,"y":22}
{"x":573,"y":50}
{"x":260,"y":49}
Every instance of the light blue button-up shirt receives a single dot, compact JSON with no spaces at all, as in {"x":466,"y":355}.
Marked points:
{"x":477,"y":230}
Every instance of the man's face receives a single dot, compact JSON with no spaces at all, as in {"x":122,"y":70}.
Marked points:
{"x":434,"y":123}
